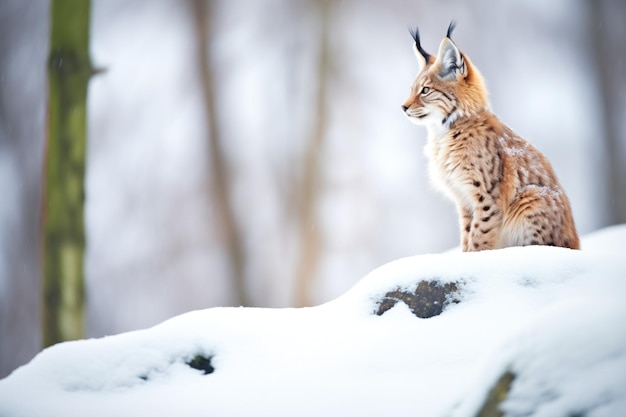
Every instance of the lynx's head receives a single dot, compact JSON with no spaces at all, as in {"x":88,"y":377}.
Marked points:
{"x":448,"y":86}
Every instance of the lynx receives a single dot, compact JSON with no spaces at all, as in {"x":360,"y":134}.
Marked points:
{"x":504,"y":188}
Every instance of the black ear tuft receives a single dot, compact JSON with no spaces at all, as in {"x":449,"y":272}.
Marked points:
{"x":450,"y":29}
{"x":415,"y":33}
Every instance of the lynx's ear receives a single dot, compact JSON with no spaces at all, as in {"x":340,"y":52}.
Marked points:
{"x":423,"y":57}
{"x":450,"y":60}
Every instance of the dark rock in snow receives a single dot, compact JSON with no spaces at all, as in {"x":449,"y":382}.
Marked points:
{"x":498,"y":393}
{"x":427,"y":300}
{"x":202,"y":363}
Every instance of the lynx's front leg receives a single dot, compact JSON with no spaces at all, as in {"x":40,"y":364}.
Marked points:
{"x":485,"y":228}
{"x":465,"y":220}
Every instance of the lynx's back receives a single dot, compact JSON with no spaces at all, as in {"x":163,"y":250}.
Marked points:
{"x":504,"y":188}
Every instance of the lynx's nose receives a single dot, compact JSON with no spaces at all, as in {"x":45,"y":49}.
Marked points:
{"x":405,"y":108}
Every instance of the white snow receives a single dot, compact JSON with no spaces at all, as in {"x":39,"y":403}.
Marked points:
{"x":554,"y":317}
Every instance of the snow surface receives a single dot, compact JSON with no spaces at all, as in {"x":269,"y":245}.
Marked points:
{"x":554,"y":317}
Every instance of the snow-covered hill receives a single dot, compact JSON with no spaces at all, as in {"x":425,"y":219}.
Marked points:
{"x":544,"y":328}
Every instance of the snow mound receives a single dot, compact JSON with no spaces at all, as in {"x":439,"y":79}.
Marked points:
{"x":534,"y":331}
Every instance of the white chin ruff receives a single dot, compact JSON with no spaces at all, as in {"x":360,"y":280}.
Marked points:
{"x":418,"y":121}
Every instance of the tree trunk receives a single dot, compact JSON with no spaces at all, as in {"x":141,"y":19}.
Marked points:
{"x":310,"y":188}
{"x":201,"y":10}
{"x":69,"y":70}
{"x":607,"y":52}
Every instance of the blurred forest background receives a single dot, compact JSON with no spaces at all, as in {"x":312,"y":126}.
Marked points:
{"x":254,"y":152}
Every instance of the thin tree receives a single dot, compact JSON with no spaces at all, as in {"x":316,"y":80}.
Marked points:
{"x":69,"y":70}
{"x":231,"y":234}
{"x":310,"y":187}
{"x":608,"y":51}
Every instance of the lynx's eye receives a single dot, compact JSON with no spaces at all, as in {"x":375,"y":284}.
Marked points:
{"x":424,"y":90}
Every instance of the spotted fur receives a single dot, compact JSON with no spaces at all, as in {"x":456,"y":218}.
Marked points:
{"x":504,"y":188}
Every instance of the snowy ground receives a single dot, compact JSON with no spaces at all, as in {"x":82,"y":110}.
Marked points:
{"x":554,"y":318}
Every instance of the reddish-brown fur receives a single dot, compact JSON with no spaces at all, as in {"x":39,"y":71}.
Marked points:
{"x":505,"y":189}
